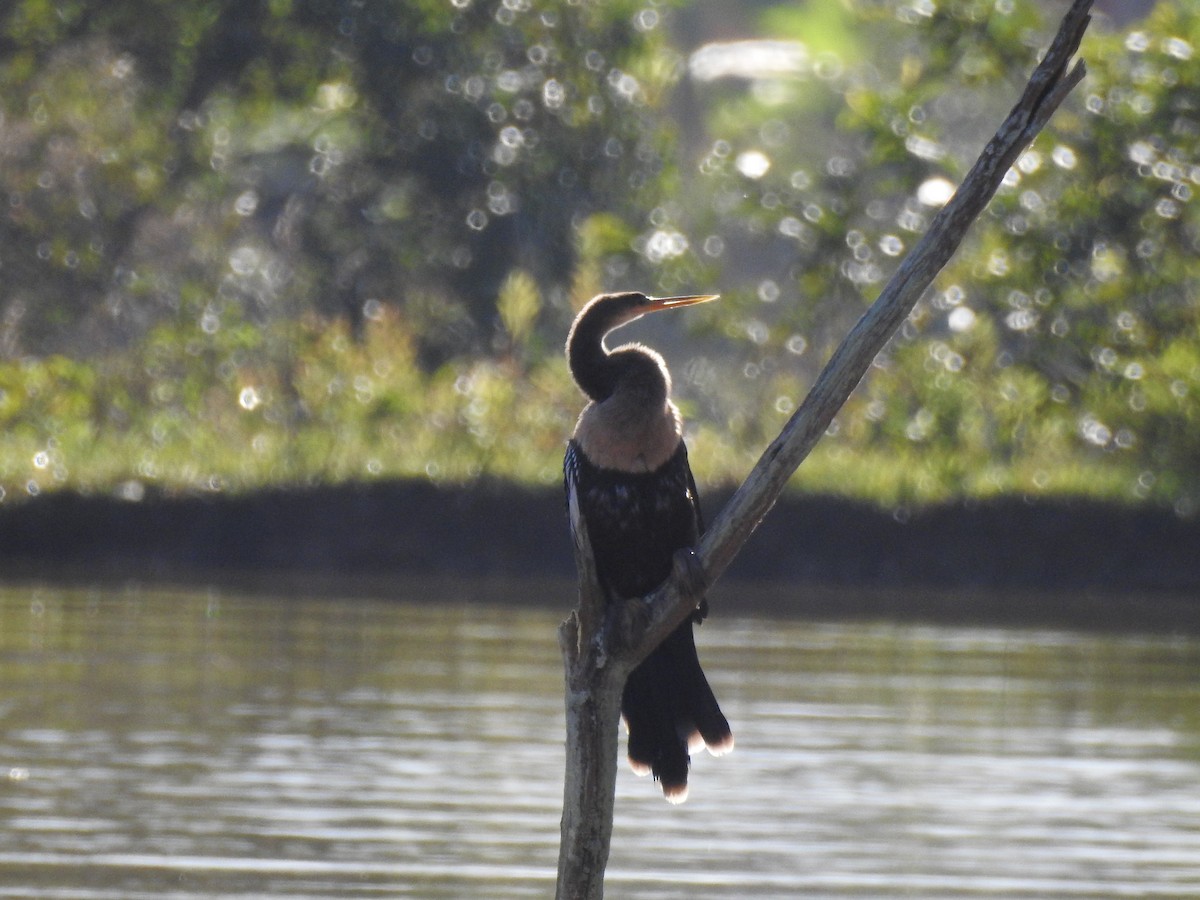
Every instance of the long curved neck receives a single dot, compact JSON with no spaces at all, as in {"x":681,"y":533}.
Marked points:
{"x":593,"y":369}
{"x":635,"y":428}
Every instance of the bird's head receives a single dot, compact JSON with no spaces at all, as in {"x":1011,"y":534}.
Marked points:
{"x":610,"y":311}
{"x":597,"y":371}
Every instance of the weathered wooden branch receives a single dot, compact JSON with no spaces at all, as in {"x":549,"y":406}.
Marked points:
{"x":1047,"y":88}
{"x":602,"y":642}
{"x":593,"y":693}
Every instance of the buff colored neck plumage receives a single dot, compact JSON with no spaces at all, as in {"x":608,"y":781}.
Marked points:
{"x":636,"y":428}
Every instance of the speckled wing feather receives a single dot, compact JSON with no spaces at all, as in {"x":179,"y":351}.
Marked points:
{"x":636,"y":522}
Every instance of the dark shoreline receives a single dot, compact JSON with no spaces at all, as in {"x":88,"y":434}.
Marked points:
{"x":1071,"y":562}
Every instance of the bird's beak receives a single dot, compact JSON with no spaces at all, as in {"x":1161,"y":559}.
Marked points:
{"x":676,"y":302}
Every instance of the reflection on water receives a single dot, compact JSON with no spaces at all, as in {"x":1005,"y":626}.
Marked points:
{"x":188,"y":746}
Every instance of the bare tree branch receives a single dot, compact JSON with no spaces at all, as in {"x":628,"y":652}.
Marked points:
{"x":1047,"y":88}
{"x":593,"y":695}
{"x":600,"y":647}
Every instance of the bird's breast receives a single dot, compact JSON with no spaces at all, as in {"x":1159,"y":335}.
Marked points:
{"x":628,"y":441}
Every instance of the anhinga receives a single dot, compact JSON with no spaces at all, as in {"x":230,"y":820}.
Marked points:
{"x":627,"y":476}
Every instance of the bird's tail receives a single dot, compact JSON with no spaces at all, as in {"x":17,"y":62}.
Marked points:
{"x":670,"y":709}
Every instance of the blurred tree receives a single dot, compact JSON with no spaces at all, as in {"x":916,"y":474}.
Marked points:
{"x":206,"y":186}
{"x":251,"y":159}
{"x":1064,"y":342}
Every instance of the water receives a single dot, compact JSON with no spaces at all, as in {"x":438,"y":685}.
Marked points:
{"x":202,"y":745}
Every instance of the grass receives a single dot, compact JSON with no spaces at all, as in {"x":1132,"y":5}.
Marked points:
{"x":187,"y":412}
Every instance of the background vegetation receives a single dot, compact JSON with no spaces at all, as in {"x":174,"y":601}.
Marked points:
{"x":297,"y":241}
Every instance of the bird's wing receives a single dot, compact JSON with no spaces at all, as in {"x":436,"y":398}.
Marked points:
{"x":571,"y":486}
{"x":695,"y":494}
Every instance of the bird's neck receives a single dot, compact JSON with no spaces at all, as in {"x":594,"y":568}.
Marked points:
{"x":592,"y":367}
{"x":636,"y":427}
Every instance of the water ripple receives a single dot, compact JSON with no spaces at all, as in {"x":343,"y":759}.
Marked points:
{"x":353,"y":749}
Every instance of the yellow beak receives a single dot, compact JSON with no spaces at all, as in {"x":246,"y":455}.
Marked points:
{"x":656,"y":303}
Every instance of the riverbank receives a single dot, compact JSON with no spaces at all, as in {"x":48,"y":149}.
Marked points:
{"x":1055,"y":553}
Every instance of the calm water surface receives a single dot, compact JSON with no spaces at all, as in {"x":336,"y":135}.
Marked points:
{"x":206,"y":745}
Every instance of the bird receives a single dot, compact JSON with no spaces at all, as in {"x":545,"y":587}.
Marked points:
{"x":628,"y":482}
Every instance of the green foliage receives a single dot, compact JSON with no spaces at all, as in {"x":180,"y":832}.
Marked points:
{"x":200,"y":410}
{"x":1040,"y":362}
{"x":295,"y":157}
{"x":825,"y":28}
{"x":518,"y":306}
{"x":312,"y":240}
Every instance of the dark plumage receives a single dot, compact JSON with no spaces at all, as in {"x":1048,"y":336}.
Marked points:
{"x":627,"y":476}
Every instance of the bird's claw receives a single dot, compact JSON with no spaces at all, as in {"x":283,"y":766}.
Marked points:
{"x":633,"y":616}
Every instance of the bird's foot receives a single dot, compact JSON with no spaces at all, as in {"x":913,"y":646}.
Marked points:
{"x":630,"y":619}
